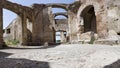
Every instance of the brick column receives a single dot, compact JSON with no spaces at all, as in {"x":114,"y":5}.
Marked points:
{"x":1,"y":27}
{"x":63,"y":38}
{"x":24,"y":29}
{"x":101,"y":26}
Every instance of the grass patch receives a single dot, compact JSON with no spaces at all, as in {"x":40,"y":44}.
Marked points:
{"x":11,"y":42}
{"x":92,"y":40}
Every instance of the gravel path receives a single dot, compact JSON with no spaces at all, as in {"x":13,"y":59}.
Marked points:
{"x":62,"y":56}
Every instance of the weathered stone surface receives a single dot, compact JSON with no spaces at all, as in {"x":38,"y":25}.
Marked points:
{"x":113,"y":15}
{"x":113,"y":35}
{"x":61,"y":25}
{"x":1,"y":27}
{"x":38,"y":24}
{"x":112,"y":38}
{"x":86,"y":37}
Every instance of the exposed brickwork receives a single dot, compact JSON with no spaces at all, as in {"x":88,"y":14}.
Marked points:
{"x":38,"y":25}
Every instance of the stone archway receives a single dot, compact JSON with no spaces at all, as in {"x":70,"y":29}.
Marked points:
{"x":59,"y":19}
{"x":58,"y":5}
{"x":61,"y":13}
{"x":22,"y":11}
{"x":89,"y":19}
{"x":61,"y":27}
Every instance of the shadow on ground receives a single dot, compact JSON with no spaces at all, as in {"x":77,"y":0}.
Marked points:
{"x":114,"y":65}
{"x":32,"y":47}
{"x":20,"y":63}
{"x":3,"y":55}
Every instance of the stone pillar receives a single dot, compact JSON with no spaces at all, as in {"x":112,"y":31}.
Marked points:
{"x":63,"y":38}
{"x":70,"y":17}
{"x":73,"y":26}
{"x":102,"y":28}
{"x":37,"y":31}
{"x":24,"y":29}
{"x":1,"y":27}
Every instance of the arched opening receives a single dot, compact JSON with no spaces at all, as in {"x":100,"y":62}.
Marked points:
{"x":60,"y":17}
{"x":56,"y":10}
{"x":8,"y":16}
{"x":89,"y":19}
{"x":61,"y":22}
{"x":62,"y":28}
{"x":11,"y":26}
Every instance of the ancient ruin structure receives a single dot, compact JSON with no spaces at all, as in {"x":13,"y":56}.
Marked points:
{"x":85,"y":18}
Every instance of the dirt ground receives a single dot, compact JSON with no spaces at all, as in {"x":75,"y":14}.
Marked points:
{"x":61,"y":56}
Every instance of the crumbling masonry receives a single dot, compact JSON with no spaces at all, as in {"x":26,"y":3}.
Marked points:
{"x":85,"y":18}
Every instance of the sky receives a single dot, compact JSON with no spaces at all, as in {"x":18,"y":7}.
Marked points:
{"x":9,"y":16}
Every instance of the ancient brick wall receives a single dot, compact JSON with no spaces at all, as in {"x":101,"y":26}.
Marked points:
{"x":113,"y":15}
{"x":100,"y":14}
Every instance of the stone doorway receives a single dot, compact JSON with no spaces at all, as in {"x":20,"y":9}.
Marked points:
{"x":89,"y":19}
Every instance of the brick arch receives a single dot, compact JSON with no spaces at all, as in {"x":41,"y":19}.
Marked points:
{"x":63,"y":14}
{"x":82,"y":7}
{"x":89,"y":19}
{"x":17,"y":8}
{"x":59,"y":5}
{"x":23,"y":11}
{"x":100,"y":13}
{"x":13,"y":7}
{"x":87,"y":8}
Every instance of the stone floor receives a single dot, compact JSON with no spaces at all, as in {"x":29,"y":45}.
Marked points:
{"x":61,"y":56}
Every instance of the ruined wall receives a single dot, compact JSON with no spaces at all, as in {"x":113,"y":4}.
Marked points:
{"x":35,"y":22}
{"x":38,"y":24}
{"x":23,"y":11}
{"x":113,"y":15}
{"x":73,"y":26}
{"x":61,"y":25}
{"x":49,"y":33}
{"x":15,"y":30}
{"x":100,"y":13}
{"x":107,"y":13}
{"x":42,"y":29}
{"x":63,"y":37}
{"x":73,"y":21}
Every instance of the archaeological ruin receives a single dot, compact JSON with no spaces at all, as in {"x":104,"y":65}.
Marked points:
{"x":85,"y":20}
